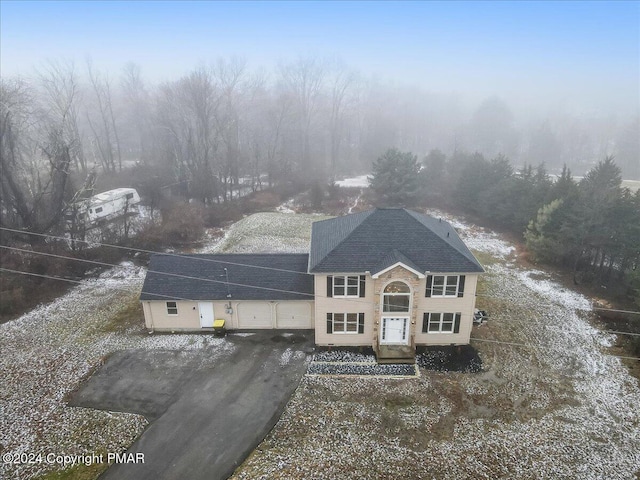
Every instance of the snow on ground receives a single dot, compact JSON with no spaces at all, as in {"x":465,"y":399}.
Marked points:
{"x":548,"y":403}
{"x":361,"y":181}
{"x":47,"y":353}
{"x":287,"y":207}
{"x":269,"y":232}
{"x":477,"y":238}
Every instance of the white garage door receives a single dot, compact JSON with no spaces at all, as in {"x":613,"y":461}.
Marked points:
{"x":254,"y":315}
{"x":294,"y":315}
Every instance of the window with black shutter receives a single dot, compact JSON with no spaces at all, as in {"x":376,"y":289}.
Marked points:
{"x":329,"y":286}
{"x":329,"y":323}
{"x":444,"y":285}
{"x":429,"y":284}
{"x":461,"y":286}
{"x":441,"y":322}
{"x":361,"y":323}
{"x":456,"y":326}
{"x":363,"y":282}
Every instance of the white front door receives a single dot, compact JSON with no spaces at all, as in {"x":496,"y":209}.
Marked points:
{"x":395,"y":331}
{"x":206,"y":314}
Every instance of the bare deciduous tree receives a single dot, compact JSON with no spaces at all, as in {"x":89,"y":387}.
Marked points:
{"x":107,"y":139}
{"x":36,"y":153}
{"x":304,"y":79}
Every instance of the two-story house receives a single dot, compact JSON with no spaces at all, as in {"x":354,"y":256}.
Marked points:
{"x":390,"y":279}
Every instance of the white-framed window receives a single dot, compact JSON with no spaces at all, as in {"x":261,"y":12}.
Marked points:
{"x":172,"y":308}
{"x":396,"y":297}
{"x":346,"y":286}
{"x":445,"y":285}
{"x":445,"y":322}
{"x":345,"y":323}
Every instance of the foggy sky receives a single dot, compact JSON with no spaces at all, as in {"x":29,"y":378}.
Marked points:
{"x":575,"y":57}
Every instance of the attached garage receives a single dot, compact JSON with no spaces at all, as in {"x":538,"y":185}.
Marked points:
{"x":294,"y":315}
{"x":254,"y":315}
{"x":248,"y":291}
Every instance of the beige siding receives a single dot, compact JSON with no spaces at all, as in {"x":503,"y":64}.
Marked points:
{"x":324,"y":305}
{"x":464,"y":305}
{"x":370,"y":305}
{"x":157,"y":318}
{"x":188,"y":318}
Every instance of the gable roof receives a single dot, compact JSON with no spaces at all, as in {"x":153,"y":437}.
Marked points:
{"x":372,"y":241}
{"x":270,"y":276}
{"x":393,"y":259}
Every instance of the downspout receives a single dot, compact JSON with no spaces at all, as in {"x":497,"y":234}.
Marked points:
{"x":150,"y":317}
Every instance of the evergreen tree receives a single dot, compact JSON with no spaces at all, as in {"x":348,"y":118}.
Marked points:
{"x":542,"y":234}
{"x":396,"y":178}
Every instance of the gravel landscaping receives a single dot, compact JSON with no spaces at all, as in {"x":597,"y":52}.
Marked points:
{"x":541,"y":397}
{"x":360,"y":369}
{"x":547,"y":402}
{"x":464,"y":358}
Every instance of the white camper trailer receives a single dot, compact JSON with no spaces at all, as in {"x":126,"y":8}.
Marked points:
{"x":112,"y":203}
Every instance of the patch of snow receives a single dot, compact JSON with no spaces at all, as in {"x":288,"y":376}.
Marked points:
{"x":475,"y":237}
{"x":285,"y":358}
{"x":361,"y":181}
{"x":553,"y":291}
{"x":47,"y":353}
{"x":549,"y":402}
{"x":269,"y":232}
{"x":355,"y":204}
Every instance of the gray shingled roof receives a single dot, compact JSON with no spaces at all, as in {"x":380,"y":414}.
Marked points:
{"x":366,"y":241}
{"x":284,"y":278}
{"x":393,"y":258}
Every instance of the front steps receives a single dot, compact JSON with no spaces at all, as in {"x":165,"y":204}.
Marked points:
{"x":396,"y":354}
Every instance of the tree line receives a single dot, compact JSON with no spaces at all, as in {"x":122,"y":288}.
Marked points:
{"x":591,"y":226}
{"x":222,"y":127}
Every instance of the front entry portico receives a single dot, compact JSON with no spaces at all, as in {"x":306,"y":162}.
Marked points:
{"x":396,"y":312}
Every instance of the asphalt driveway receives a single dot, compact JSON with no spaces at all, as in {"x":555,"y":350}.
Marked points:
{"x":205,"y":419}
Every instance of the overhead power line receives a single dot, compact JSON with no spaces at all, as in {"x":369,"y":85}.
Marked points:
{"x":80,"y":282}
{"x":225,"y":262}
{"x":77,"y":282}
{"x":188,"y":277}
{"x":516,"y":344}
{"x":614,"y":310}
{"x":175,"y":275}
{"x":142,"y":250}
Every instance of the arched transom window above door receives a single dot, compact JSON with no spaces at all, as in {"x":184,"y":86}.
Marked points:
{"x":396,"y":297}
